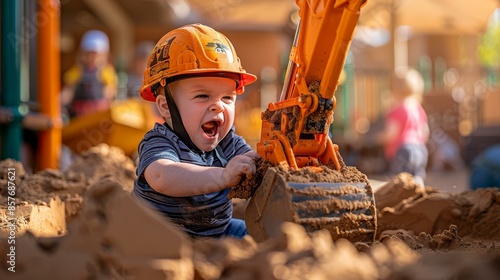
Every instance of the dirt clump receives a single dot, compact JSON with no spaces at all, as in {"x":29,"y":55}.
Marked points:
{"x":248,"y":186}
{"x":101,"y":161}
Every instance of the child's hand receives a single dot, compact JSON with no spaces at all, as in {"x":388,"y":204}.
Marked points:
{"x":237,"y":167}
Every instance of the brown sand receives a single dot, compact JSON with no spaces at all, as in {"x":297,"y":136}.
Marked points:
{"x":403,"y":205}
{"x":424,"y":234}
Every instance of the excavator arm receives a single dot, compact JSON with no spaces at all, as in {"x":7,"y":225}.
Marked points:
{"x":309,"y":184}
{"x":295,"y":129}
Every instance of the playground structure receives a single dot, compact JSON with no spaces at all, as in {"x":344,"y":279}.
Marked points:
{"x":14,"y":115}
{"x":123,"y":125}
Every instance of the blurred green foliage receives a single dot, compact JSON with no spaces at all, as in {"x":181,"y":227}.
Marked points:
{"x":489,"y":46}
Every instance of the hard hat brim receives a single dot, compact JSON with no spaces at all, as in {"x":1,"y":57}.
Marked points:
{"x":241,"y":78}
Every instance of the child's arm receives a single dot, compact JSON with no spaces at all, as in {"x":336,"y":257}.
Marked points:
{"x":110,"y":81}
{"x":70,"y":79}
{"x":184,"y":179}
{"x":67,"y":94}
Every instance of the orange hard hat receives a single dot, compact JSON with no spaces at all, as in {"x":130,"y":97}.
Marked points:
{"x":194,"y":50}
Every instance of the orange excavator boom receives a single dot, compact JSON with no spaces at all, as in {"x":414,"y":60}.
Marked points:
{"x":309,"y":184}
{"x":295,"y":129}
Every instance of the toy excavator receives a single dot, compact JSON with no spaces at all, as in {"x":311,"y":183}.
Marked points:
{"x":294,"y":137}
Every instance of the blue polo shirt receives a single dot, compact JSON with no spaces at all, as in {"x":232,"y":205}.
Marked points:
{"x":202,"y":215}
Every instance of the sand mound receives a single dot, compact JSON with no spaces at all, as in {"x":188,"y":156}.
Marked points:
{"x":424,"y":234}
{"x":48,"y":200}
{"x":403,"y":205}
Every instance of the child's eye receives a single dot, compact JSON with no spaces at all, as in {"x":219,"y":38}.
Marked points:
{"x":229,"y":97}
{"x":202,"y":96}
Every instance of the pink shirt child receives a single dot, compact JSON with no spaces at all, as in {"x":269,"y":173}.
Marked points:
{"x":411,"y":120}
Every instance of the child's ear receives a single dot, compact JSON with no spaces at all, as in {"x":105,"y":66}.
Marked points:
{"x":162,"y":105}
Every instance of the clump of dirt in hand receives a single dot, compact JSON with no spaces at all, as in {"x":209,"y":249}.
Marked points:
{"x":248,"y":185}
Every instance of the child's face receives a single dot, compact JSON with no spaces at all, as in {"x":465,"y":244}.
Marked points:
{"x":206,"y":106}
{"x":92,"y":59}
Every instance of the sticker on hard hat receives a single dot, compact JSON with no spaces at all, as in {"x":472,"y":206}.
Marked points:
{"x":161,"y":58}
{"x":219,"y":48}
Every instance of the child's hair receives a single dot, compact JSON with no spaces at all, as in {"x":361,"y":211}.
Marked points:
{"x":408,"y":83}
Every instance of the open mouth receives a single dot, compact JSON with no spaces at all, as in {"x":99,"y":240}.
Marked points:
{"x":210,"y":128}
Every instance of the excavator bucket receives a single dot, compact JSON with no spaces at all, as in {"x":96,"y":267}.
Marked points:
{"x":346,"y":210}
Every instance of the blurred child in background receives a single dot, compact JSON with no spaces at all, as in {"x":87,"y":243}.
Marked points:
{"x":406,"y":129}
{"x":91,"y":84}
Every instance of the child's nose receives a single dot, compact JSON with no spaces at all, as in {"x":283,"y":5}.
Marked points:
{"x":217,"y":106}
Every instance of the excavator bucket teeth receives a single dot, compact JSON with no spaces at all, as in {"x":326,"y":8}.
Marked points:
{"x":346,"y":210}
